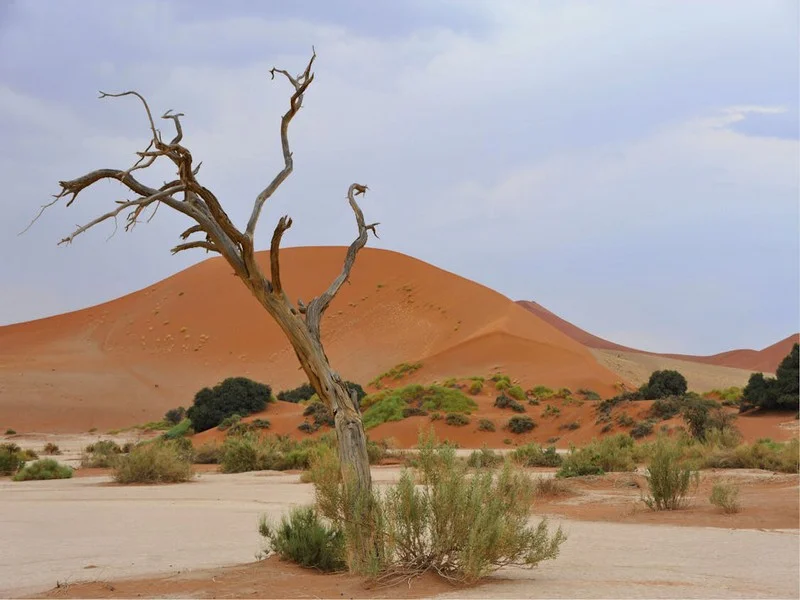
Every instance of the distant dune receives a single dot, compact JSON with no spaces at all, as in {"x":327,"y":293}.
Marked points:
{"x":766,"y":360}
{"x":128,"y":360}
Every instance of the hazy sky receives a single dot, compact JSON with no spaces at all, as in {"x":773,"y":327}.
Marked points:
{"x":632,"y":165}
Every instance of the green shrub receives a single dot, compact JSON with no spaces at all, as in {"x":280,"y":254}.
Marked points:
{"x":302,"y":538}
{"x":589,"y":394}
{"x":298,"y":394}
{"x":532,"y":455}
{"x":233,"y":396}
{"x":570,"y":426}
{"x":503,"y":401}
{"x":763,"y":454}
{"x":436,"y":416}
{"x":47,"y":468}
{"x":501,"y":378}
{"x":642,"y":429}
{"x":396,"y":372}
{"x":541,"y":392}
{"x":439,"y":519}
{"x":476,"y":387}
{"x":51,"y":449}
{"x":520,"y":424}
{"x":414,"y":411}
{"x":533,"y":401}
{"x":702,"y":416}
{"x":725,"y":495}
{"x":551,"y":487}
{"x":485,"y":425}
{"x":484,"y":458}
{"x":564,"y":393}
{"x":102,"y":454}
{"x":180,"y":430}
{"x":779,"y":392}
{"x":517,"y":393}
{"x":666,"y":408}
{"x":320,"y":415}
{"x":607,"y":427}
{"x":388,"y":405}
{"x":625,"y":420}
{"x":160,"y":461}
{"x":667,"y":478}
{"x":663,"y":384}
{"x":229,"y":422}
{"x":613,"y":453}
{"x":502,"y":385}
{"x":11,"y":459}
{"x":175,"y":415}
{"x":251,"y":452}
{"x":456,"y":419}
{"x":10,"y":431}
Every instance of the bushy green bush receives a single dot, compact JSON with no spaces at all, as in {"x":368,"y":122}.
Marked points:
{"x":589,"y":394}
{"x":541,"y":392}
{"x":251,"y":452}
{"x":437,"y":519}
{"x":625,"y":420}
{"x":229,"y":422}
{"x":303,"y":538}
{"x":102,"y":454}
{"x":779,"y":392}
{"x":517,"y":393}
{"x":175,"y":415}
{"x":533,"y":455}
{"x":642,"y":429}
{"x":46,"y":468}
{"x":612,"y":453}
{"x":668,"y":478}
{"x":207,"y":454}
{"x":520,"y":424}
{"x":763,"y":454}
{"x":159,"y":461}
{"x":475,"y":387}
{"x":235,"y":395}
{"x":320,"y":415}
{"x":663,"y":384}
{"x":298,"y":394}
{"x":703,"y":416}
{"x":414,"y":411}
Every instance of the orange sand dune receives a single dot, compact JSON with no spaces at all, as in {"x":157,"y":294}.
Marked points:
{"x":128,"y":360}
{"x":765,"y":360}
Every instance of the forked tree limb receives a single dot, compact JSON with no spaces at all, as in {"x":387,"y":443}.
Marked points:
{"x":284,"y":223}
{"x":300,"y":84}
{"x":318,"y":305}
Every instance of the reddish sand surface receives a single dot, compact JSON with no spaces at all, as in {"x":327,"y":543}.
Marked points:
{"x":129,"y":360}
{"x":765,"y":360}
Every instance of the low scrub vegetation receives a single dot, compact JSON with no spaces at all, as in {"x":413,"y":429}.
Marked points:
{"x":159,"y":461}
{"x":51,"y":449}
{"x":102,"y":454}
{"x":613,"y":453}
{"x":486,"y":425}
{"x":517,"y":393}
{"x":181,"y":429}
{"x":475,"y":387}
{"x":668,"y":478}
{"x":456,"y":419}
{"x":551,"y":487}
{"x":305,"y":392}
{"x":396,"y":372}
{"x":572,"y":426}
{"x":303,"y":538}
{"x":11,"y":458}
{"x":388,"y":405}
{"x":437,"y":518}
{"x":207,"y":454}
{"x":503,"y":401}
{"x":542,"y":392}
{"x":551,"y":411}
{"x":533,"y":455}
{"x":318,"y":415}
{"x":233,"y":396}
{"x":484,"y":458}
{"x":725,"y":496}
{"x":46,"y":468}
{"x":642,"y":429}
{"x":520,"y":424}
{"x":589,"y":394}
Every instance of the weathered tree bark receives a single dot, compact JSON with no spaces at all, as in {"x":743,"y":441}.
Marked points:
{"x":301,"y":324}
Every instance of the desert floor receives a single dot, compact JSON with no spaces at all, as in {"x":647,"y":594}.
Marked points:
{"x":199,"y":539}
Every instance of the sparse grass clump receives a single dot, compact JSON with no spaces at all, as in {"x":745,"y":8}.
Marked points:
{"x":47,"y":468}
{"x":625,"y":420}
{"x":520,"y":424}
{"x":533,"y":455}
{"x":725,"y":495}
{"x":668,"y":478}
{"x":551,"y":411}
{"x":155,"y":462}
{"x":642,"y":429}
{"x":485,"y":425}
{"x":102,"y":454}
{"x":476,"y":387}
{"x":320,"y":414}
{"x":439,"y":518}
{"x":388,"y":405}
{"x":542,"y":392}
{"x":229,"y":422}
{"x":207,"y":454}
{"x":552,"y":487}
{"x":763,"y":454}
{"x":613,"y":453}
{"x":396,"y":372}
{"x":589,"y":394}
{"x":517,"y":393}
{"x":570,"y":426}
{"x":303,"y":538}
{"x":10,"y":431}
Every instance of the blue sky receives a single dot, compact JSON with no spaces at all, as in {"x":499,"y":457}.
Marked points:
{"x":632,"y":165}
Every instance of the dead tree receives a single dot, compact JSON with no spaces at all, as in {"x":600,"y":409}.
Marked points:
{"x":187,"y":195}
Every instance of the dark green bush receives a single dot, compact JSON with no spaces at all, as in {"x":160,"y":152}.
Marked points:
{"x":159,"y":461}
{"x":666,"y":408}
{"x":589,"y":394}
{"x":11,"y":459}
{"x":180,"y":430}
{"x":703,"y":415}
{"x":503,"y":401}
{"x":570,"y":426}
{"x":520,"y":424}
{"x":414,"y":411}
{"x":229,"y":422}
{"x":235,"y":395}
{"x":320,"y":416}
{"x":642,"y":429}
{"x":298,"y":394}
{"x":780,"y":392}
{"x":662,"y":384}
{"x":302,"y":538}
{"x":47,"y":468}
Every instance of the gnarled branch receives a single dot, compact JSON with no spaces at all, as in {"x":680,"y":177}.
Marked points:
{"x":300,"y":84}
{"x":317,"y":306}
{"x":284,"y":223}
{"x":208,"y":246}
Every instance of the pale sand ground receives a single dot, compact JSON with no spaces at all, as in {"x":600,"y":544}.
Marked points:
{"x":57,"y":529}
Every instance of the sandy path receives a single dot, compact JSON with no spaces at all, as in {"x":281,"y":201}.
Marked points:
{"x":57,"y":529}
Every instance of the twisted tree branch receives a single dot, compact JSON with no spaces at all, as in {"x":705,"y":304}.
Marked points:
{"x":317,"y":306}
{"x":274,"y":250}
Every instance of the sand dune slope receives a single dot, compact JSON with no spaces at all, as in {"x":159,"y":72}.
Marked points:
{"x":128,"y":360}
